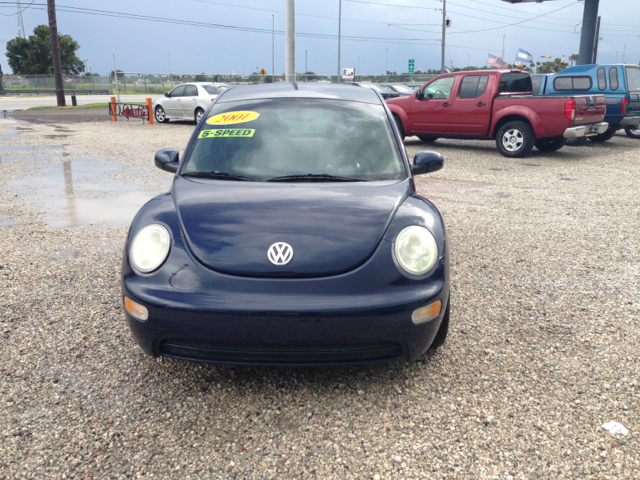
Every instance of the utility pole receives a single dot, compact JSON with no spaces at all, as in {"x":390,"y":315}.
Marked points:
{"x":115,"y":78}
{"x":168,"y":62}
{"x":339,"y":38}
{"x":55,"y":52}
{"x":624,"y":49}
{"x":273,"y":46}
{"x":444,"y":26}
{"x":595,"y":46}
{"x":306,"y":68}
{"x":502,"y":47}
{"x":290,"y":40}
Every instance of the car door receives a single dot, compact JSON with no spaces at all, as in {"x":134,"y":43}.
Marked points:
{"x":171,"y":103}
{"x":471,"y":112}
{"x":431,"y":108}
{"x":189,"y":100}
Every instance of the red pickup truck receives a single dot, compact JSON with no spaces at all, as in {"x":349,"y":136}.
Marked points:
{"x":497,"y":104}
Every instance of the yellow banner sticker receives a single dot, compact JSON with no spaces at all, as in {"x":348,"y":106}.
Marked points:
{"x":233,"y":117}
{"x":232,"y":132}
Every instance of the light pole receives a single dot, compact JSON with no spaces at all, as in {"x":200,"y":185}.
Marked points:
{"x":359,"y":67}
{"x":273,"y":46}
{"x":624,"y":49}
{"x":616,"y":57}
{"x":444,"y":27}
{"x":290,"y":40}
{"x":386,"y":65}
{"x":169,"y":62}
{"x":339,"y":35}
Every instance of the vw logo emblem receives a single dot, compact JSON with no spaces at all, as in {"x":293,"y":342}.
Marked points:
{"x":280,"y":253}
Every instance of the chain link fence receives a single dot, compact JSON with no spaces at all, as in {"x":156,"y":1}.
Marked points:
{"x":158,"y":84}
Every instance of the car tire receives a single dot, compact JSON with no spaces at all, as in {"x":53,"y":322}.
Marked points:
{"x":515,"y":139}
{"x":160,"y":115}
{"x":400,"y":126}
{"x":603,"y":137}
{"x":633,"y":132}
{"x":441,"y":336}
{"x":424,"y":138}
{"x":198,"y":114}
{"x":550,"y":144}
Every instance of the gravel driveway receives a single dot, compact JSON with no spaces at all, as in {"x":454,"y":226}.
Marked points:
{"x":543,"y":347}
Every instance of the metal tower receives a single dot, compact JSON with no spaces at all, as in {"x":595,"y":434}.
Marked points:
{"x":21,"y":32}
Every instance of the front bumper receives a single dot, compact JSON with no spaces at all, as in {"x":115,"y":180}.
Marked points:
{"x":358,"y":317}
{"x":586,"y":130}
{"x":630,"y":121}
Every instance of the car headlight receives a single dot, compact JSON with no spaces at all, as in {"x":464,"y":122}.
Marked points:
{"x":150,"y":247}
{"x":416,"y":250}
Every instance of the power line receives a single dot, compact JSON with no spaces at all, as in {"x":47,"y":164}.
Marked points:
{"x":149,"y":18}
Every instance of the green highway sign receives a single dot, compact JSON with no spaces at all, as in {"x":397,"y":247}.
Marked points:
{"x":411,"y":66}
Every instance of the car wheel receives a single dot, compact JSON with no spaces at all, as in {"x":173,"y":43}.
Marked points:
{"x":603,"y":137}
{"x":515,"y":139}
{"x":400,"y":126}
{"x":161,"y":116}
{"x":199,"y":114}
{"x":424,"y":138}
{"x":550,"y":144}
{"x":633,"y":132}
{"x":441,"y":336}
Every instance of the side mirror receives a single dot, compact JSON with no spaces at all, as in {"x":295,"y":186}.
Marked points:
{"x":167,"y":159}
{"x":426,"y":161}
{"x":419,"y":94}
{"x":166,"y":94}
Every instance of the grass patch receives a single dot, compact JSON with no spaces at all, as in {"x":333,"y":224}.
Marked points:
{"x":89,"y":105}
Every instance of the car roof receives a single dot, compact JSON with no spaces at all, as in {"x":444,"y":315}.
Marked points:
{"x":590,"y":67}
{"x":301,"y":90}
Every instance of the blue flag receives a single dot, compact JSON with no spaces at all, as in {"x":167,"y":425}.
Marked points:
{"x":524,"y":56}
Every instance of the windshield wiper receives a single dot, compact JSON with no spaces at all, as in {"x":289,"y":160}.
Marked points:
{"x":314,"y":177}
{"x":219,"y":176}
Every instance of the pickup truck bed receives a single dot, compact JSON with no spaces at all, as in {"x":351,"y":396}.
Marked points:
{"x":491,"y":105}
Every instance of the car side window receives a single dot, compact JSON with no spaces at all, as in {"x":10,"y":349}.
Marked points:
{"x":572,"y":83}
{"x":178,"y":91}
{"x":440,"y":88}
{"x":536,"y":82}
{"x":613,"y":78}
{"x":473,"y":86}
{"x":602,"y":79}
{"x":190,"y":91}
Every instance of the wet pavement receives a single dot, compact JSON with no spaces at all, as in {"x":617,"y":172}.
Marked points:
{"x":70,"y":190}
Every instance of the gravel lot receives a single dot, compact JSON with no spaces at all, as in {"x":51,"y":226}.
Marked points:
{"x":543,"y":347}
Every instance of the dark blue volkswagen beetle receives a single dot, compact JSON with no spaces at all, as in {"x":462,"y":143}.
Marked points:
{"x":292,"y":235}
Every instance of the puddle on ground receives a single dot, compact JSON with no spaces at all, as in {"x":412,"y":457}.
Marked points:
{"x":37,"y":157}
{"x":6,"y":222}
{"x":5,"y":113}
{"x":28,"y":148}
{"x":55,"y":136}
{"x":84,"y":192}
{"x":10,"y":134}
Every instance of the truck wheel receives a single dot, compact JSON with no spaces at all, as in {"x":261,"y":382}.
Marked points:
{"x":603,"y":137}
{"x":633,"y":132}
{"x":400,"y":127}
{"x":424,"y":138}
{"x":515,"y":139}
{"x":550,"y":144}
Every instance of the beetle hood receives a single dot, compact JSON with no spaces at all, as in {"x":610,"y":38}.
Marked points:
{"x":331,"y":228}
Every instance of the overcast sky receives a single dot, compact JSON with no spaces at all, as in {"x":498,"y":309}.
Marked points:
{"x":406,"y":31}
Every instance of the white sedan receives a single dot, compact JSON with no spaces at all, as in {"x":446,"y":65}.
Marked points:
{"x":187,"y":101}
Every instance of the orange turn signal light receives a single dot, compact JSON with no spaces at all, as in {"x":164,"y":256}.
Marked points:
{"x":427,"y":313}
{"x":135,"y":309}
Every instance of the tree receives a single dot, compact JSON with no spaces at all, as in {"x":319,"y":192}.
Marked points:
{"x":552,"y":67}
{"x":33,"y":55}
{"x":573,"y":59}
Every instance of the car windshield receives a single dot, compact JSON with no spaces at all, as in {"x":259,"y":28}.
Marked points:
{"x":403,"y":88}
{"x":633,"y":78}
{"x":314,"y":139}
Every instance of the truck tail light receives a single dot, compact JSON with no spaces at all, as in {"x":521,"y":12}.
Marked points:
{"x":570,"y":109}
{"x":624,"y":106}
